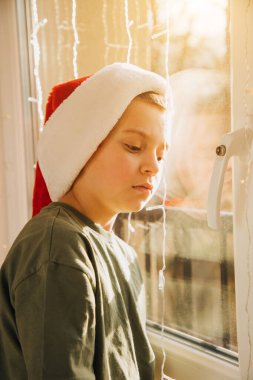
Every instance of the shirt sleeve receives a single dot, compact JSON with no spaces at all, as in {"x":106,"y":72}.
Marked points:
{"x":55,"y":316}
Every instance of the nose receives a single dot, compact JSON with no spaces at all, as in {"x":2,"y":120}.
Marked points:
{"x":150,"y":166}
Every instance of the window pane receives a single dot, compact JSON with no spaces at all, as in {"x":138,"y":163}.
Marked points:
{"x":199,"y":276}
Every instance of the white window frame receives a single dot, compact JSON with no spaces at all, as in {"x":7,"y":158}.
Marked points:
{"x":15,"y":192}
{"x":183,"y":361}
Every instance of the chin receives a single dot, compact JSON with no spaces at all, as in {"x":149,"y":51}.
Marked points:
{"x":139,"y":207}
{"x":134,"y":206}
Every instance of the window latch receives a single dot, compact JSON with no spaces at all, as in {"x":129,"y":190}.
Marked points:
{"x":237,"y":143}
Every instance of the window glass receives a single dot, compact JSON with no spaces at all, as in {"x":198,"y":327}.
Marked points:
{"x":199,"y":277}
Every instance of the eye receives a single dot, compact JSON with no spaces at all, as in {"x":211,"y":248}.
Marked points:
{"x":161,"y":157}
{"x":133,"y":148}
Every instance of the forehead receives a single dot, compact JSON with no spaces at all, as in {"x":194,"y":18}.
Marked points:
{"x":144,"y":120}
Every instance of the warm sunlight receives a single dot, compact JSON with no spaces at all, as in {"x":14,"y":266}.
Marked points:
{"x":206,"y":18}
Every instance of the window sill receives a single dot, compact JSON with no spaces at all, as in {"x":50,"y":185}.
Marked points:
{"x":186,"y":362}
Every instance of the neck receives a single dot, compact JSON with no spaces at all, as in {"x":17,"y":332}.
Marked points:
{"x":105,"y":221}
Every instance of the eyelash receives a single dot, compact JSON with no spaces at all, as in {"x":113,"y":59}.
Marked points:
{"x":133,"y":148}
{"x":136,"y":149}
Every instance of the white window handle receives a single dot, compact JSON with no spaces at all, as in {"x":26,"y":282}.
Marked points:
{"x":236,"y":143}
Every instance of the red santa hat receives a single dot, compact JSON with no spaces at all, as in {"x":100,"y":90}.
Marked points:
{"x":79,"y":115}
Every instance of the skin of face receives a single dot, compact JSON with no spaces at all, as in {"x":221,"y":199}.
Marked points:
{"x":124,"y":172}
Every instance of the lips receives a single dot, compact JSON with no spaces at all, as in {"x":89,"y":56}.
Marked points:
{"x":144,"y":187}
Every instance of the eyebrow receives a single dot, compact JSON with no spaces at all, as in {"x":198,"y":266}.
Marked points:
{"x":143,"y":134}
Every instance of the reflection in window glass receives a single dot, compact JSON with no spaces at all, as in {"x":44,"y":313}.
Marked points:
{"x":199,"y":287}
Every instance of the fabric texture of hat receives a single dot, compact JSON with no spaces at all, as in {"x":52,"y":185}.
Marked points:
{"x":79,"y":116}
{"x":60,"y":92}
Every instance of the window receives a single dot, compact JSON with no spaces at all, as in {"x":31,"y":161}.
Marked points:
{"x":199,"y":277}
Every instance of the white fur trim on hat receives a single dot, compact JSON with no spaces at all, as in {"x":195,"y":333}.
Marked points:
{"x":84,"y":119}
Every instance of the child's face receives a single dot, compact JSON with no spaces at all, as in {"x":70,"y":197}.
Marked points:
{"x":125,"y":171}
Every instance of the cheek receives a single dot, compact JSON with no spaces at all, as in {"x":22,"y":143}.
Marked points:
{"x":117,"y":169}
{"x":126,"y":163}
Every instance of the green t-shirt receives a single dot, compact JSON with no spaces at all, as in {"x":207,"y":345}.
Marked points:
{"x":72,"y":303}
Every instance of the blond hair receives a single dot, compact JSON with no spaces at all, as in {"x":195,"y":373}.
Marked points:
{"x":153,"y":98}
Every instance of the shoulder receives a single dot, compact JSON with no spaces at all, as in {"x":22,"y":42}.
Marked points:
{"x":126,"y":249}
{"x":70,"y":244}
{"x":51,"y":236}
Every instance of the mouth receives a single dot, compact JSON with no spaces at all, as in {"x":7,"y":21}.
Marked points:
{"x":144,"y":188}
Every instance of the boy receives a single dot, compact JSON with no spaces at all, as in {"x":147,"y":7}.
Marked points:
{"x":72,"y":298}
